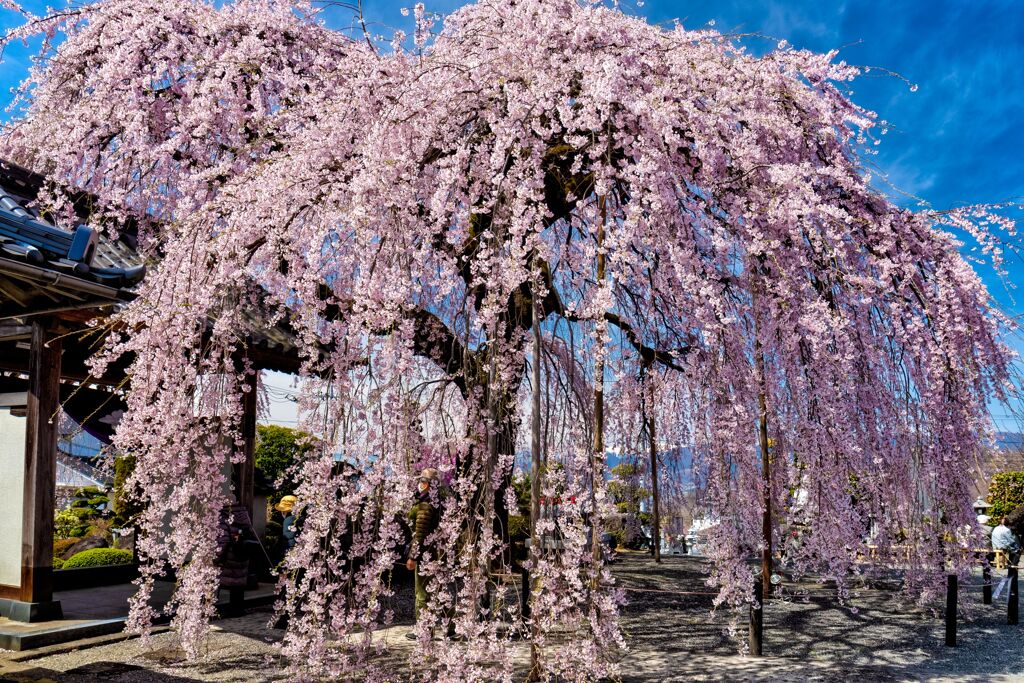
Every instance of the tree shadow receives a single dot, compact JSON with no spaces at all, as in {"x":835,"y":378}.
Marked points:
{"x":675,"y":636}
{"x":97,"y":672}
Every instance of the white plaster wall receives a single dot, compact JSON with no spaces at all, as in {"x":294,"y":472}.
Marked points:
{"x":12,"y":474}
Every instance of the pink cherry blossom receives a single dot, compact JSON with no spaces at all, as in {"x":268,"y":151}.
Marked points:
{"x":400,"y":213}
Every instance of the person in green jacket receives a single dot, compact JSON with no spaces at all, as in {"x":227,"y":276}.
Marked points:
{"x":424,"y":517}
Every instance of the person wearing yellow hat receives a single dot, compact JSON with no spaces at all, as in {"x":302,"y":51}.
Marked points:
{"x":286,"y":504}
{"x":288,"y":527}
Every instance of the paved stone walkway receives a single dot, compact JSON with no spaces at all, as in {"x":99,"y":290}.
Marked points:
{"x":671,"y":636}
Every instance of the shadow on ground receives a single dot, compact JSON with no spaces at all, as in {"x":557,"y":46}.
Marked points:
{"x":671,"y":630}
{"x":808,"y":634}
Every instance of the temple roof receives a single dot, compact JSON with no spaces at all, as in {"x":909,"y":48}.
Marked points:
{"x":44,"y":266}
{"x":75,"y":274}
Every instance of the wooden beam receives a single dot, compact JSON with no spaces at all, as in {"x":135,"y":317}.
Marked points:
{"x":288,"y":363}
{"x":14,"y":293}
{"x":15,"y":332}
{"x":73,"y":366}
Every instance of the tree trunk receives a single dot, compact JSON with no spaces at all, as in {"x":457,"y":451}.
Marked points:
{"x":656,"y":518}
{"x":766,"y":460}
{"x":597,"y":453}
{"x":766,"y":475}
{"x":535,"y":492}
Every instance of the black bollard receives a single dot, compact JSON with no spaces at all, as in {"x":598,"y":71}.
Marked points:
{"x":757,"y":620}
{"x":986,"y":584}
{"x":236,"y":601}
{"x":524,"y":595}
{"x":951,"y":590}
{"x":1012,"y":606}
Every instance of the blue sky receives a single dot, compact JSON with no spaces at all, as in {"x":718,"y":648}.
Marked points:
{"x":956,"y":140}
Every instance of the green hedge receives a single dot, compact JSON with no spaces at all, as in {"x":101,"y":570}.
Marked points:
{"x":99,"y":557}
{"x":67,"y":524}
{"x":1006,"y":493}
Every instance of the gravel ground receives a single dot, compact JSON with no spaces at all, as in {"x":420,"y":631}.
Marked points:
{"x":672,"y":636}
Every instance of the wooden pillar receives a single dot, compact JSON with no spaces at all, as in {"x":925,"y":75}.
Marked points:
{"x":247,"y":469}
{"x":40,"y":465}
{"x":34,"y":599}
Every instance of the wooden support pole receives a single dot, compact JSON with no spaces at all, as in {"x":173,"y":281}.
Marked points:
{"x":33,"y":600}
{"x":757,"y":621}
{"x":245,"y":471}
{"x":40,"y":464}
{"x":1012,"y":605}
{"x":951,"y":601}
{"x":986,"y":583}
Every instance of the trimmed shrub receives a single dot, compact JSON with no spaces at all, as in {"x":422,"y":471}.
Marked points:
{"x":58,"y":563}
{"x":1006,"y":494}
{"x":82,"y":514}
{"x":99,"y":557}
{"x":67,"y":525}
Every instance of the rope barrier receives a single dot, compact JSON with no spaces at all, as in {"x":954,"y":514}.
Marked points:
{"x":658,"y":590}
{"x":789,"y":589}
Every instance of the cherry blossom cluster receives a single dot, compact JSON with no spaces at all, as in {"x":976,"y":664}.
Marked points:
{"x":412,"y":217}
